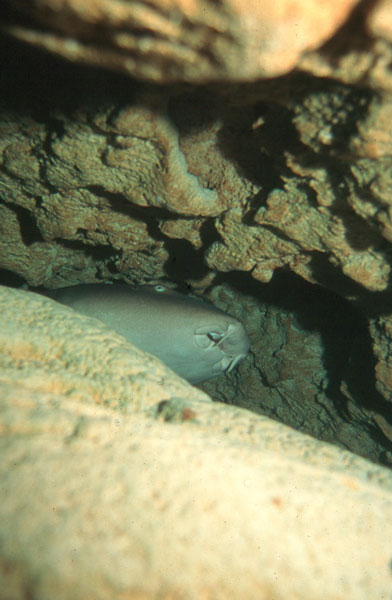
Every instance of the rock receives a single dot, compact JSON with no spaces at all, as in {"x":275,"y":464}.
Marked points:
{"x":116,"y":485}
{"x":181,"y":40}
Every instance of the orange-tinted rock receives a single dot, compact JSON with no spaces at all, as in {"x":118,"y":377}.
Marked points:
{"x":183,"y":40}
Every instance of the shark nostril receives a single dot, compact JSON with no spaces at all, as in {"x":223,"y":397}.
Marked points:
{"x":215,"y":337}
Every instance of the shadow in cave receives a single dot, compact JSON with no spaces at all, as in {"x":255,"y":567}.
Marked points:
{"x":279,"y":135}
{"x":11,"y":279}
{"x":98,"y":251}
{"x":35,"y":81}
{"x":184,"y":261}
{"x":198,"y":109}
{"x":369,"y":303}
{"x":193,"y":109}
{"x":29,"y":231}
{"x":353,"y":35}
{"x":258,"y":138}
{"x":347,"y":345}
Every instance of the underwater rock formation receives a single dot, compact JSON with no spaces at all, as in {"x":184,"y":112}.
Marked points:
{"x":182,"y":40}
{"x":265,"y":188}
{"x":111,"y":464}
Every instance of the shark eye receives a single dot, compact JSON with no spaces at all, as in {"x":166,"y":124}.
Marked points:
{"x":160,"y":288}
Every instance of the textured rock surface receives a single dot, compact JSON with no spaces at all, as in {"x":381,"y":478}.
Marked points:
{"x":89,"y":178}
{"x":104,"y":179}
{"x":361,"y":51}
{"x":273,"y":198}
{"x":107,"y":476}
{"x":310,"y":365}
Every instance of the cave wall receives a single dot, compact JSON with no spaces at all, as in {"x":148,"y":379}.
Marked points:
{"x":180,"y":143}
{"x":110,"y":179}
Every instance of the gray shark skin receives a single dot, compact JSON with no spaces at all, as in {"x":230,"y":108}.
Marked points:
{"x":193,"y":338}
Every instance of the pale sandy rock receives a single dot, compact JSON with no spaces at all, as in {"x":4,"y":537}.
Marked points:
{"x":380,"y":20}
{"x":360,"y":52}
{"x":184,"y":40}
{"x":121,"y":480}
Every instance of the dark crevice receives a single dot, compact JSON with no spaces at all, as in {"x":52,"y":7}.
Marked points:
{"x":48,"y":83}
{"x":281,"y":235}
{"x":352,"y":36}
{"x":184,"y":262}
{"x":208,"y":233}
{"x":193,"y":111}
{"x":253,"y":206}
{"x":369,"y":303}
{"x":28,"y":229}
{"x":122,"y":205}
{"x":11,"y":279}
{"x":347,"y":346}
{"x":98,"y":251}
